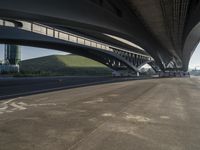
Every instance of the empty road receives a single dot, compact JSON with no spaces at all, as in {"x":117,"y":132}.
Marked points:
{"x":155,"y":114}
{"x":12,"y":87}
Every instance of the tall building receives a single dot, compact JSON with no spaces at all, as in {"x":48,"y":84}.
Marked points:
{"x":12,"y":54}
{"x":12,"y":57}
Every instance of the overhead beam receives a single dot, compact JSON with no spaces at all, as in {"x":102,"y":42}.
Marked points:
{"x":84,"y":14}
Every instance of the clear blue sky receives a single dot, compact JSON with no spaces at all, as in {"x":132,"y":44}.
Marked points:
{"x":31,"y":52}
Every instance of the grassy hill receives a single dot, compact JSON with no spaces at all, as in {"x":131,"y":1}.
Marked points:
{"x":63,"y":65}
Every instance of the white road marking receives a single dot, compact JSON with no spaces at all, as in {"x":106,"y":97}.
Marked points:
{"x":17,"y":106}
{"x":108,"y":115}
{"x":98,"y":100}
{"x":47,"y":104}
{"x":6,"y":102}
{"x":137,"y":118}
{"x":36,"y":105}
{"x":22,"y":104}
{"x":9,"y":106}
{"x":4,"y":108}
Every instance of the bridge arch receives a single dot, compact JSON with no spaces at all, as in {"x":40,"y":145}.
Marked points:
{"x":152,"y":64}
{"x":10,"y":35}
{"x":87,"y":16}
{"x":192,"y":34}
{"x":190,"y":45}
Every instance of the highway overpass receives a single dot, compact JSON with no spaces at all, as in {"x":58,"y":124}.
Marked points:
{"x":35,"y":34}
{"x":152,"y":114}
{"x":167,"y":31}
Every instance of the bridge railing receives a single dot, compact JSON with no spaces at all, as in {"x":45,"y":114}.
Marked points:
{"x":55,"y":33}
{"x":63,"y":35}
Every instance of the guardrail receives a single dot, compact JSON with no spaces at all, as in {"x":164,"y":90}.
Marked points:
{"x":63,"y":35}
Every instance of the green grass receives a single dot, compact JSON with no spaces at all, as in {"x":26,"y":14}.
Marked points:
{"x":72,"y":65}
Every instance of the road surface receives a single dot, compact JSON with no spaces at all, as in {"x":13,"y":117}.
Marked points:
{"x":12,"y":87}
{"x":156,"y":114}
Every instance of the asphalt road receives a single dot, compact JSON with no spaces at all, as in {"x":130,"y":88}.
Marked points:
{"x":12,"y":87}
{"x":156,"y":114}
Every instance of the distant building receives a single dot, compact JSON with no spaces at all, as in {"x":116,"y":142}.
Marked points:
{"x":12,"y":58}
{"x":195,"y":72}
{"x":12,"y":54}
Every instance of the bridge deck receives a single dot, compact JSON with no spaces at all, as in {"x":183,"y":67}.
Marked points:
{"x":160,"y":114}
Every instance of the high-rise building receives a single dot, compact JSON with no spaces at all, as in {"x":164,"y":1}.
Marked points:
{"x":12,"y":57}
{"x":12,"y":54}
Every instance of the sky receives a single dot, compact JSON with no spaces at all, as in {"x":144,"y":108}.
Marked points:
{"x":195,"y":59}
{"x":31,"y":52}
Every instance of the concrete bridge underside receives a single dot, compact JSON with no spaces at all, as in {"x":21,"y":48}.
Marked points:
{"x":117,"y":60}
{"x":167,"y":30}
